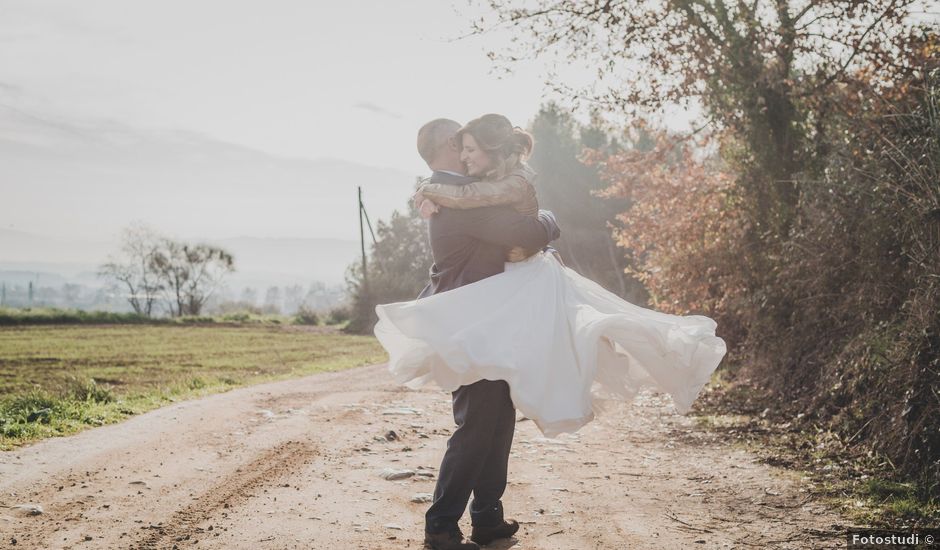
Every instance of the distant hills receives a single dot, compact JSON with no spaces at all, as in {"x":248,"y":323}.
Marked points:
{"x":67,"y":188}
{"x":260,"y":262}
{"x":65,"y":177}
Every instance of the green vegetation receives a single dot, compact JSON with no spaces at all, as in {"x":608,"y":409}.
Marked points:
{"x":57,"y":380}
{"x":54,"y":316}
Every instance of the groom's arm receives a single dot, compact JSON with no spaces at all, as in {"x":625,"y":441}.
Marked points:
{"x":504,"y":226}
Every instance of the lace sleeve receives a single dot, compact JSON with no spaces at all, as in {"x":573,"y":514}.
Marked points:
{"x":511,"y":189}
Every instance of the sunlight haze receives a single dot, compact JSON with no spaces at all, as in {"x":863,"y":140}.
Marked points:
{"x":215,"y":120}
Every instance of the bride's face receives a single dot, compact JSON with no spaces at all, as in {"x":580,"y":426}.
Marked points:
{"x":477,"y":161}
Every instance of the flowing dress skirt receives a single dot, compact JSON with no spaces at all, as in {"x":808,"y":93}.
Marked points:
{"x":561,"y":341}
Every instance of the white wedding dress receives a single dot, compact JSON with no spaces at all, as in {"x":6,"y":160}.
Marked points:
{"x":559,"y":340}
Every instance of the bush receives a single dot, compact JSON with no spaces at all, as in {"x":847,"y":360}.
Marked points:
{"x":195,"y":319}
{"x":338,"y":315}
{"x":237,"y":317}
{"x":87,"y":390}
{"x":306,"y":316}
{"x":20,"y":414}
{"x":29,"y":407}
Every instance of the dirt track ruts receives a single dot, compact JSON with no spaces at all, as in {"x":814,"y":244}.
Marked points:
{"x":296,"y":464}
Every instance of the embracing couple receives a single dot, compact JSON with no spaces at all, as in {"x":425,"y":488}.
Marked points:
{"x":503,"y":324}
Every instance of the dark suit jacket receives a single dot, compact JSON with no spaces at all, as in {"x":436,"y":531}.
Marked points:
{"x":470,"y":245}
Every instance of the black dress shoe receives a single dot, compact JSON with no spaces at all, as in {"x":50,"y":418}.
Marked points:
{"x":485,"y":535}
{"x":448,"y":540}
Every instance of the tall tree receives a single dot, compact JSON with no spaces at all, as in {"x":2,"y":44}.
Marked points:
{"x":567,"y":187}
{"x":398,"y":267}
{"x":754,"y":66}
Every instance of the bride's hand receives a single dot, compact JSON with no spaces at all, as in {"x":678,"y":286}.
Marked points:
{"x":418,"y":197}
{"x":427,"y":208}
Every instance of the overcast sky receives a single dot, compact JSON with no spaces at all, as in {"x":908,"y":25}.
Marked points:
{"x":350,"y":80}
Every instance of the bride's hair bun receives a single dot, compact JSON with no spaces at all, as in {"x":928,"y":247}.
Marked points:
{"x":522,"y":142}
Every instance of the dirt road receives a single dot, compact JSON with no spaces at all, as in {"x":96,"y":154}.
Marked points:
{"x":299,"y":464}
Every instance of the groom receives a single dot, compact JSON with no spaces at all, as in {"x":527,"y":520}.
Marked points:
{"x":467,"y":246}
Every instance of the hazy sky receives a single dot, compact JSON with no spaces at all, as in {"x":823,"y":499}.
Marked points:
{"x":350,"y":80}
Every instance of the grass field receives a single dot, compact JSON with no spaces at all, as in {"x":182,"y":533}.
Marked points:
{"x":56,"y":380}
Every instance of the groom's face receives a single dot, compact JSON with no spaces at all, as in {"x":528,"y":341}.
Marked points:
{"x":451,"y":152}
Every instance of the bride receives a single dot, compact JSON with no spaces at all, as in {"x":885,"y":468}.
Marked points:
{"x":560,"y":341}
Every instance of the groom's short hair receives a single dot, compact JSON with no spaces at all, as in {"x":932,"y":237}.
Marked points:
{"x":433,"y":135}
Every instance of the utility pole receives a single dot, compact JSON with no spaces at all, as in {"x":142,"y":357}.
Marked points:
{"x":30,"y":294}
{"x":362,"y":242}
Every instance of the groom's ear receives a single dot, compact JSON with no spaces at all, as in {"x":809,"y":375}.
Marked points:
{"x":452,"y":142}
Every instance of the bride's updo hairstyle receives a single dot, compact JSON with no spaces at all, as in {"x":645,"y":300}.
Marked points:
{"x":506,"y":144}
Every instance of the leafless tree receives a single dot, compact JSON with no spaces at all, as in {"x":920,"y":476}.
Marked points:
{"x":190,"y":273}
{"x":130,"y":270}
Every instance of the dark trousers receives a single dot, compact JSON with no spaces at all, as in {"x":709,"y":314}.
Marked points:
{"x":476,"y":459}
